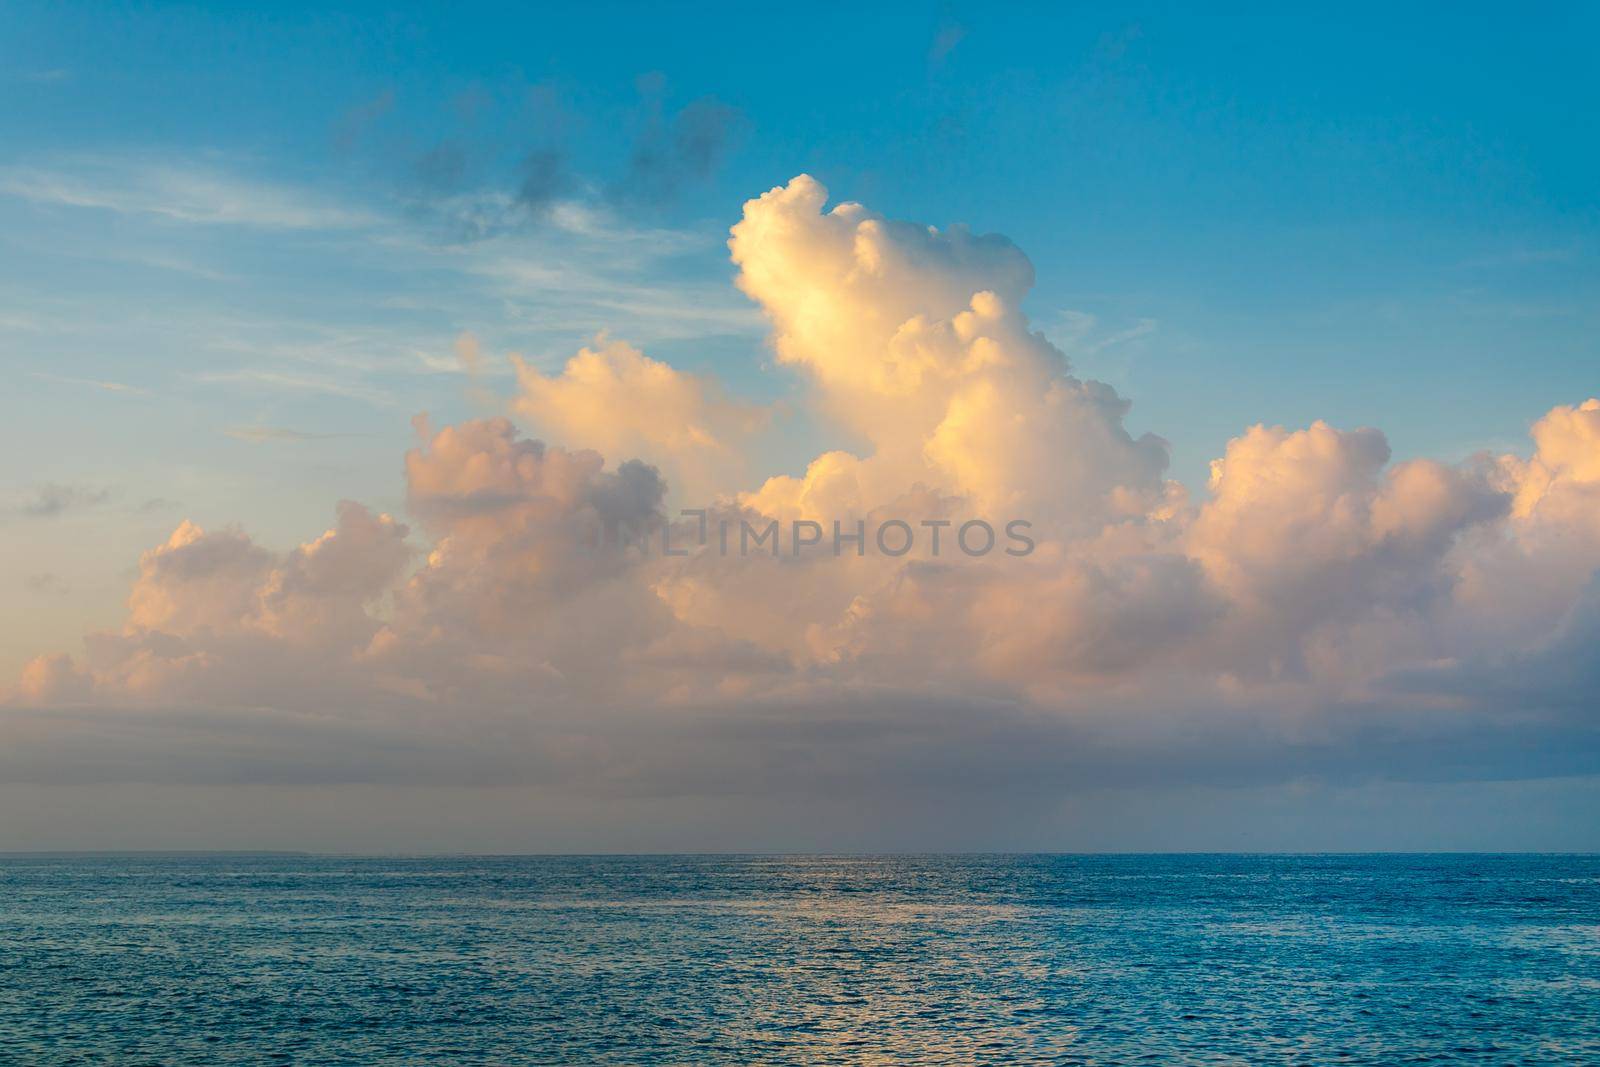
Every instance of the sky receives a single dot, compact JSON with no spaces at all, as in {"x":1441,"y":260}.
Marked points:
{"x":1279,"y":330}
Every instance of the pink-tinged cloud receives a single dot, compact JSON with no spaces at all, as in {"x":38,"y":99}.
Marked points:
{"x":1318,"y":611}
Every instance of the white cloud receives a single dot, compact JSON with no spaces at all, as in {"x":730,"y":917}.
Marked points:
{"x":1313,"y":614}
{"x":915,"y":341}
{"x":190,"y":194}
{"x":617,"y":400}
{"x":296,"y":382}
{"x":92,"y":383}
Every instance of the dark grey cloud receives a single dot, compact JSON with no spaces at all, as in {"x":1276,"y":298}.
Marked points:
{"x":633,"y":493}
{"x":53,"y":498}
{"x":442,"y":168}
{"x":863,"y":745}
{"x":498,"y":158}
{"x":45,"y":584}
{"x":545,"y":177}
{"x":1558,"y":678}
{"x":353,"y":125}
{"x":701,"y":135}
{"x":945,"y":39}
{"x":673,"y":152}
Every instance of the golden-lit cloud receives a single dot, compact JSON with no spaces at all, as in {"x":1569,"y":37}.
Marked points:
{"x":619,"y":401}
{"x":1315,"y":575}
{"x":914,"y":341}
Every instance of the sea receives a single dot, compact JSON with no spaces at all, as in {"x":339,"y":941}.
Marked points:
{"x":777,"y":959}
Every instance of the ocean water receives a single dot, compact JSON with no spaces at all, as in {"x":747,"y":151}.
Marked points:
{"x":778,"y":959}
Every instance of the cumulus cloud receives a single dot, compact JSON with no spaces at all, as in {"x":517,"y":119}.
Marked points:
{"x":214,"y":617}
{"x":619,"y":401}
{"x":1321,"y":609}
{"x":1311,"y":531}
{"x":1560,"y":486}
{"x":915,"y":341}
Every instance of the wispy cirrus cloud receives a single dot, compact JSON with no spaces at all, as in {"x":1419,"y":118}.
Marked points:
{"x":257,"y":378}
{"x":1142,"y":328}
{"x":43,"y":76}
{"x":260,"y":435}
{"x":584,"y":268}
{"x":91,"y":383}
{"x":193,"y":192}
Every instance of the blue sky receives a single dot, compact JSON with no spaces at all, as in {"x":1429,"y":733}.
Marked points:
{"x":1386,"y":219}
{"x":1353,"y":219}
{"x":240,"y":245}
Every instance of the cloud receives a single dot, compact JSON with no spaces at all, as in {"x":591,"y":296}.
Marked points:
{"x":45,"y":583}
{"x":545,"y":178}
{"x":469,"y":353}
{"x":48,"y":76}
{"x":1312,"y":529}
{"x":93,"y":383}
{"x":193,"y":194}
{"x":358,"y":120}
{"x":53,"y":678}
{"x":260,"y":435}
{"x":52,"y":499}
{"x":945,"y":40}
{"x":619,"y":401}
{"x":441,"y":168}
{"x":671,"y":153}
{"x":506,"y":162}
{"x":295,"y":382}
{"x":1142,"y":328}
{"x":914,"y":340}
{"x":213,"y":616}
{"x":1323,"y":610}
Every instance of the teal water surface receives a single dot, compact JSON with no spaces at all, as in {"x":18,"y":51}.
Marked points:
{"x":777,"y":959}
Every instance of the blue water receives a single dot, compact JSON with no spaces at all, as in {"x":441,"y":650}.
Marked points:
{"x":712,"y":960}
